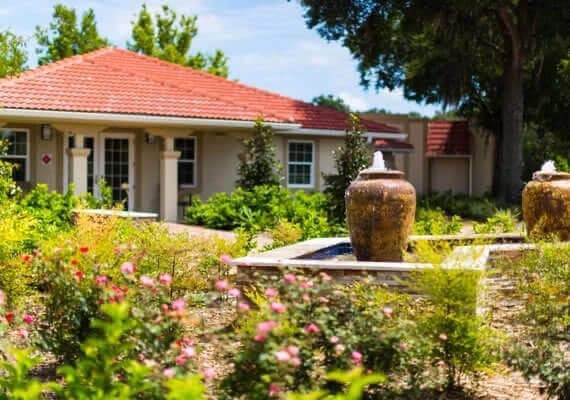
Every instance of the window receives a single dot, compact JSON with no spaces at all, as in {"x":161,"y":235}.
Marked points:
{"x":17,"y":152}
{"x":300,"y":164}
{"x":187,"y":161}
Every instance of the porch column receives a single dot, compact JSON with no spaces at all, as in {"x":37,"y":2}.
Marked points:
{"x":169,"y":181}
{"x":78,"y":166}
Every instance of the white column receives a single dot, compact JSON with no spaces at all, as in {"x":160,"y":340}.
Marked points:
{"x":78,"y":169}
{"x":169,"y":181}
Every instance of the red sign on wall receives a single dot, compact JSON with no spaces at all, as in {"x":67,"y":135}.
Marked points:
{"x":46,"y":158}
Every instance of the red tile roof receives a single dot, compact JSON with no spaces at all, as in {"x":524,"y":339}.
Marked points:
{"x":392,"y":145}
{"x":448,"y":137}
{"x":113,"y":80}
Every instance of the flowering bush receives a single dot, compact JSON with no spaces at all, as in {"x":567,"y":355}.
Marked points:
{"x":305,"y":327}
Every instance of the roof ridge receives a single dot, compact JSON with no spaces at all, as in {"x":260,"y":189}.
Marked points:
{"x":196,"y":90}
{"x":43,"y":69}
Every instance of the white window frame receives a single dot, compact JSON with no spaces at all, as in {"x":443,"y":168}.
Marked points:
{"x":27,"y":156}
{"x":310,"y":185}
{"x":187,"y":161}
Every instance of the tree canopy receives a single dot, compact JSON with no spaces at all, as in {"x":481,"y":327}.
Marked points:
{"x":13,"y":55}
{"x":66,"y":36}
{"x":169,"y":37}
{"x":481,"y":56}
{"x":331,"y":101}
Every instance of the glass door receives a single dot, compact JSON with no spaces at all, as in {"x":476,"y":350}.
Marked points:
{"x":117,"y":162}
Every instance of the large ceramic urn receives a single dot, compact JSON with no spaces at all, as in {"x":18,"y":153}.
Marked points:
{"x":546,"y":205}
{"x":380,"y":209}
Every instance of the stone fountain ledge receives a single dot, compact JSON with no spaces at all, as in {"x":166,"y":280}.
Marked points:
{"x":298,"y":256}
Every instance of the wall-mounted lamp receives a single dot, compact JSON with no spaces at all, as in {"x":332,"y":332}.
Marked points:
{"x":46,"y":132}
{"x":149,"y":138}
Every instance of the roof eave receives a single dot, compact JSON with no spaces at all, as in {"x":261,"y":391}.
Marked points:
{"x":339,"y":133}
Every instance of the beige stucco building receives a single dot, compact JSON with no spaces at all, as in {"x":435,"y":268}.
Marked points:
{"x":157,"y":132}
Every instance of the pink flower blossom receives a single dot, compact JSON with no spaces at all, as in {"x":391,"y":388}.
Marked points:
{"x":147,"y":281}
{"x":234,"y":292}
{"x":222,"y":285}
{"x":274,"y":389}
{"x":293,"y":350}
{"x":356,"y":357}
{"x":226,"y":259}
{"x":243,"y":306}
{"x":325,"y":277}
{"x":101,"y":280}
{"x":128,"y":268}
{"x":23,"y":333}
{"x":307,"y":284}
{"x":278,"y":307}
{"x":2,"y":298}
{"x":165,"y":279}
{"x":443,"y":337}
{"x":334,"y":340}
{"x":271,"y":292}
{"x":306,"y":298}
{"x":282,"y":356}
{"x":259,"y":337}
{"x":178,"y":305}
{"x":189,"y":351}
{"x":181,"y":359}
{"x":295,"y":361}
{"x":387,"y":312}
{"x":323,"y":300}
{"x":169,"y":373}
{"x":266,"y":327}
{"x":28,"y":319}
{"x":403,"y":346}
{"x":289,"y":278}
{"x":339,"y":349}
{"x":312,"y":328}
{"x":209,"y":373}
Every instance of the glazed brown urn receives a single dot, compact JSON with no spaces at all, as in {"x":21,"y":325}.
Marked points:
{"x":380,"y":209}
{"x":546,"y":205}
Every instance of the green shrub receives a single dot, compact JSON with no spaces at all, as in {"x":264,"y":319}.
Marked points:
{"x":434,"y":222}
{"x":262,"y":208}
{"x":543,"y":283}
{"x":477,"y":208}
{"x":503,"y":221}
{"x":465,"y":344}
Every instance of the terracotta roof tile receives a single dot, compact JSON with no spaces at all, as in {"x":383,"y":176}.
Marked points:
{"x":392,"y":145}
{"x":113,"y":80}
{"x":448,"y":137}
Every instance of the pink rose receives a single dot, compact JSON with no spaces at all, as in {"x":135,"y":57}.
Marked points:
{"x":243,"y":306}
{"x":147,"y":281}
{"x":127,"y":268}
{"x":181,"y":359}
{"x":334,"y":340}
{"x":23,"y":333}
{"x":282,"y":356}
{"x":189,"y":351}
{"x":222,"y":285}
{"x":101,"y":280}
{"x":293,"y":350}
{"x":295,"y":361}
{"x":387,"y":312}
{"x":28,"y":319}
{"x":307,"y":284}
{"x":209,"y":373}
{"x":178,"y":305}
{"x":266,"y":326}
{"x":169,"y":373}
{"x":289,"y":278}
{"x":306,"y":298}
{"x":312,"y":328}
{"x":356,"y":357}
{"x":259,"y":337}
{"x":274,"y":389}
{"x":339,"y":349}
{"x":226,"y":259}
{"x":165,"y":279}
{"x":234,"y":292}
{"x":271,"y":292}
{"x":278,"y":307}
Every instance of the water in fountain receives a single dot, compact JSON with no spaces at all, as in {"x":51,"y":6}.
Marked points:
{"x":548,"y":166}
{"x":378,"y":162}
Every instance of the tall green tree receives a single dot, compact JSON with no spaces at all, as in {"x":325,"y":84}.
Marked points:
{"x":479,"y":54}
{"x":66,"y":36}
{"x":350,"y":159}
{"x":12,"y":54}
{"x":257,"y":163}
{"x":330,"y":101}
{"x":170,"y":37}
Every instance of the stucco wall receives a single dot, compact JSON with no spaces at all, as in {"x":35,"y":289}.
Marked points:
{"x":449,"y":174}
{"x":483,"y":150}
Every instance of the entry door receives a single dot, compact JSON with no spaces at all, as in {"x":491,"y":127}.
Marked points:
{"x":116,"y":155}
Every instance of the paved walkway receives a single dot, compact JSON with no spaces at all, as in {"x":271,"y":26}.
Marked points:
{"x":194,"y":230}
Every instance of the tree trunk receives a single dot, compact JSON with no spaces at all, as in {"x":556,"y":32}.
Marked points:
{"x":510,"y":183}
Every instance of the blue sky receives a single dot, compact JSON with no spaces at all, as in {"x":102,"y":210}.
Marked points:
{"x":267,"y":42}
